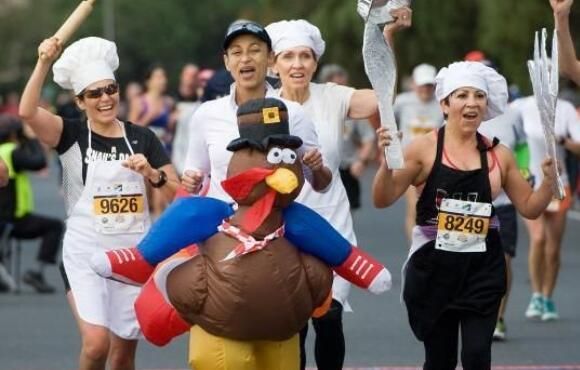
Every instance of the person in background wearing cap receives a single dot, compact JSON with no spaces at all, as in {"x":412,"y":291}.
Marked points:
{"x":569,"y":63}
{"x":106,"y":164}
{"x":455,"y":274}
{"x":417,"y":112}
{"x":22,"y":152}
{"x":546,"y":231}
{"x":358,"y":141}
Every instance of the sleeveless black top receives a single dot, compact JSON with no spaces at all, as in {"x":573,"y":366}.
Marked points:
{"x":437,"y":280}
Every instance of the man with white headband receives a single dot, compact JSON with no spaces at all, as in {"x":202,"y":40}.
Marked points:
{"x":298,"y":46}
{"x":454,"y":277}
{"x":106,"y":164}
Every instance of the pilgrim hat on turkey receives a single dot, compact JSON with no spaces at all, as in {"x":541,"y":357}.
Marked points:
{"x":262,"y":123}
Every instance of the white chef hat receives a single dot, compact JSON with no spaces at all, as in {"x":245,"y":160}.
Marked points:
{"x":84,"y":62}
{"x":290,"y":34}
{"x":476,"y":75}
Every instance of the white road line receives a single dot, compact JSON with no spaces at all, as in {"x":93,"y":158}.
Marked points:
{"x":500,"y":367}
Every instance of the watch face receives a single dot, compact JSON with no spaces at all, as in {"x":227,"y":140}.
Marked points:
{"x":161,"y":181}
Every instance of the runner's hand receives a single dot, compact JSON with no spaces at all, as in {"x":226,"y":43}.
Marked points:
{"x":313,"y":160}
{"x":385,"y":138}
{"x":402,"y":18}
{"x":139,"y":164}
{"x":561,"y":7}
{"x":49,"y":50}
{"x":192,"y":180}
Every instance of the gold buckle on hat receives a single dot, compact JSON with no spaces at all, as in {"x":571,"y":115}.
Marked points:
{"x":271,"y":115}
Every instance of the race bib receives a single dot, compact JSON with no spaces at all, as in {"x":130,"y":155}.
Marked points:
{"x":119,"y":208}
{"x":462,"y":226}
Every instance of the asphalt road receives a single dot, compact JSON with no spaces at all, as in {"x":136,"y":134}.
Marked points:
{"x":37,"y":332}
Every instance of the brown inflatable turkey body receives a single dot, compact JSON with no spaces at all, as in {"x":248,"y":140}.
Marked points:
{"x":249,"y":282}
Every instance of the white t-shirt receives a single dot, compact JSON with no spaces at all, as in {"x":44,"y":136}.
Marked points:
{"x":328,"y":107}
{"x":509,"y":129}
{"x":415,"y":117}
{"x":567,"y":125}
{"x":214,"y":125}
{"x":180,"y":145}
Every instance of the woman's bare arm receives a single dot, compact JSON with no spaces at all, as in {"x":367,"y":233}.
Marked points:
{"x":389,"y":185}
{"x":569,"y":64}
{"x":528,"y":202}
{"x":46,"y":125}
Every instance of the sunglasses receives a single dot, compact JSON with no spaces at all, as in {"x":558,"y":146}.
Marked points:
{"x":110,"y":89}
{"x":254,"y":28}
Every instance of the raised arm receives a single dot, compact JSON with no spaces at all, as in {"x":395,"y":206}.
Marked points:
{"x":569,"y":64}
{"x":46,"y":125}
{"x":528,"y":202}
{"x":363,"y":104}
{"x":389,"y":185}
{"x":402,"y":18}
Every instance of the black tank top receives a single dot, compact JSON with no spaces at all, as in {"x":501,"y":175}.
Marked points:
{"x":447,"y":182}
{"x":438,"y":280}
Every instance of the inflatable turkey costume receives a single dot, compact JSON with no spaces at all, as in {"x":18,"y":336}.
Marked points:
{"x":197,"y":219}
{"x":249,"y":282}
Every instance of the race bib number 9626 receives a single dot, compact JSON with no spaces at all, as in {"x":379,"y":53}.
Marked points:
{"x":121,"y":204}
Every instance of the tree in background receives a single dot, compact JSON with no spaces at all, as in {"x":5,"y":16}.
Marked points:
{"x":175,"y":32}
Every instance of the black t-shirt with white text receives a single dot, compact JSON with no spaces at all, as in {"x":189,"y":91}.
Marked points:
{"x":75,"y":137}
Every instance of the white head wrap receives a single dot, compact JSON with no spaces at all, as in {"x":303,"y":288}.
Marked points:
{"x":290,"y":34}
{"x":476,"y":75}
{"x":84,"y":62}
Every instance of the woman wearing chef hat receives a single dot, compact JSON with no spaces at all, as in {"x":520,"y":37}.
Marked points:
{"x":106,"y":163}
{"x":298,"y":47}
{"x":455,"y":275}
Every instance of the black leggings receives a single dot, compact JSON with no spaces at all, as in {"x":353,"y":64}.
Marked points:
{"x":33,"y":226}
{"x":352,"y":187}
{"x":476,"y":336}
{"x":329,"y":347}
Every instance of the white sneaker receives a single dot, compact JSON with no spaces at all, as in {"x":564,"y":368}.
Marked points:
{"x":535,"y":309}
{"x":499,"y":332}
{"x":6,"y":279}
{"x":550,"y":312}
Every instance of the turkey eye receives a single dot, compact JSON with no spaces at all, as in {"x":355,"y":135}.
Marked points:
{"x":274,"y":156}
{"x":289,"y":156}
